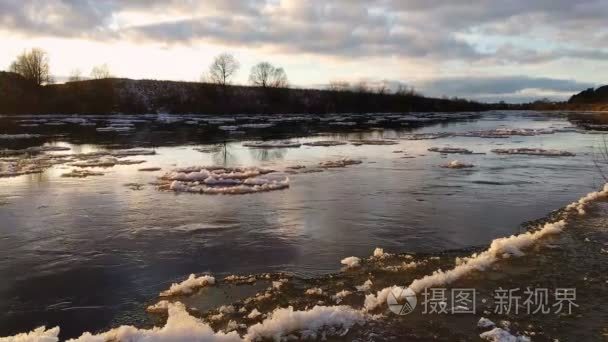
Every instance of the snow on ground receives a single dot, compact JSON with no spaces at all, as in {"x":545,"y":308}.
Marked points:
{"x":188,"y":286}
{"x":534,"y":152}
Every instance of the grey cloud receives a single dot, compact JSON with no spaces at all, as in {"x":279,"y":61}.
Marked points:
{"x":500,"y":87}
{"x":403,"y":28}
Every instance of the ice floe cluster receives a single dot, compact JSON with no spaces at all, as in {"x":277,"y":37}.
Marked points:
{"x":223,"y":180}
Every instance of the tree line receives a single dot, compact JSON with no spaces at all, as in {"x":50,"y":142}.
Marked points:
{"x":34,"y":66}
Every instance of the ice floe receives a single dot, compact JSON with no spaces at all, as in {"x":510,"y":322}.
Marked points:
{"x":188,"y":286}
{"x":344,"y":162}
{"x":534,"y":152}
{"x":501,"y":335}
{"x":339,"y":297}
{"x":81,"y":174}
{"x":160,"y":307}
{"x":219,"y":180}
{"x":456,"y":164}
{"x":446,"y":150}
{"x":180,"y":326}
{"x":272,"y":144}
{"x":325,"y":143}
{"x":19,"y":136}
{"x":149,"y":169}
{"x":373,"y":142}
{"x":308,"y":324}
{"x":315,"y":291}
{"x":41,"y":334}
{"x":254,"y":314}
{"x":351,"y":262}
{"x":485,"y":323}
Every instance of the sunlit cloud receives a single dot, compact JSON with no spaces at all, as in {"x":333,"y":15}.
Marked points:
{"x":412,"y":41}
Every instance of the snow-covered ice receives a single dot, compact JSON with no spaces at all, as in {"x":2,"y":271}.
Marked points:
{"x":188,"y":286}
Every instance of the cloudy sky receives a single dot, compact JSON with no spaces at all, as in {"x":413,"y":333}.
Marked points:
{"x":482,"y":49}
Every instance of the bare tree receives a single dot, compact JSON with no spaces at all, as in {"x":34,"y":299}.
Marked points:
{"x":100,"y":72}
{"x":223,"y":68}
{"x":338,"y":86}
{"x":33,"y":65}
{"x":266,"y":75}
{"x":75,"y":76}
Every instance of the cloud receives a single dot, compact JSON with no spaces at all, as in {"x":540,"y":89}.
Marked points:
{"x":510,"y":88}
{"x":423,"y":29}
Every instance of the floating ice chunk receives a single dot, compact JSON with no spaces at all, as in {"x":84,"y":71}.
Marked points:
{"x":367,"y":285}
{"x":114,"y":129}
{"x":373,"y":301}
{"x":501,"y":335}
{"x":81,"y":174}
{"x":315,"y":291}
{"x":180,"y":326}
{"x":338,"y":297}
{"x":228,"y":128}
{"x":106,"y":162}
{"x":456,"y":164}
{"x":160,"y":307}
{"x":351,"y":261}
{"x":19,"y":136}
{"x":373,"y":142}
{"x":485,"y":323}
{"x":455,"y":150}
{"x":534,"y":152}
{"x":339,"y":163}
{"x":41,"y":334}
{"x":379,"y":253}
{"x":149,"y":169}
{"x":426,"y":136}
{"x":254,"y":314}
{"x":240,"y":279}
{"x":46,"y":148}
{"x":19,"y":168}
{"x":257,"y":125}
{"x":325,"y":143}
{"x":187,"y":286}
{"x":327,"y":320}
{"x":273,"y":144}
{"x":215,"y":180}
{"x":278,"y":284}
